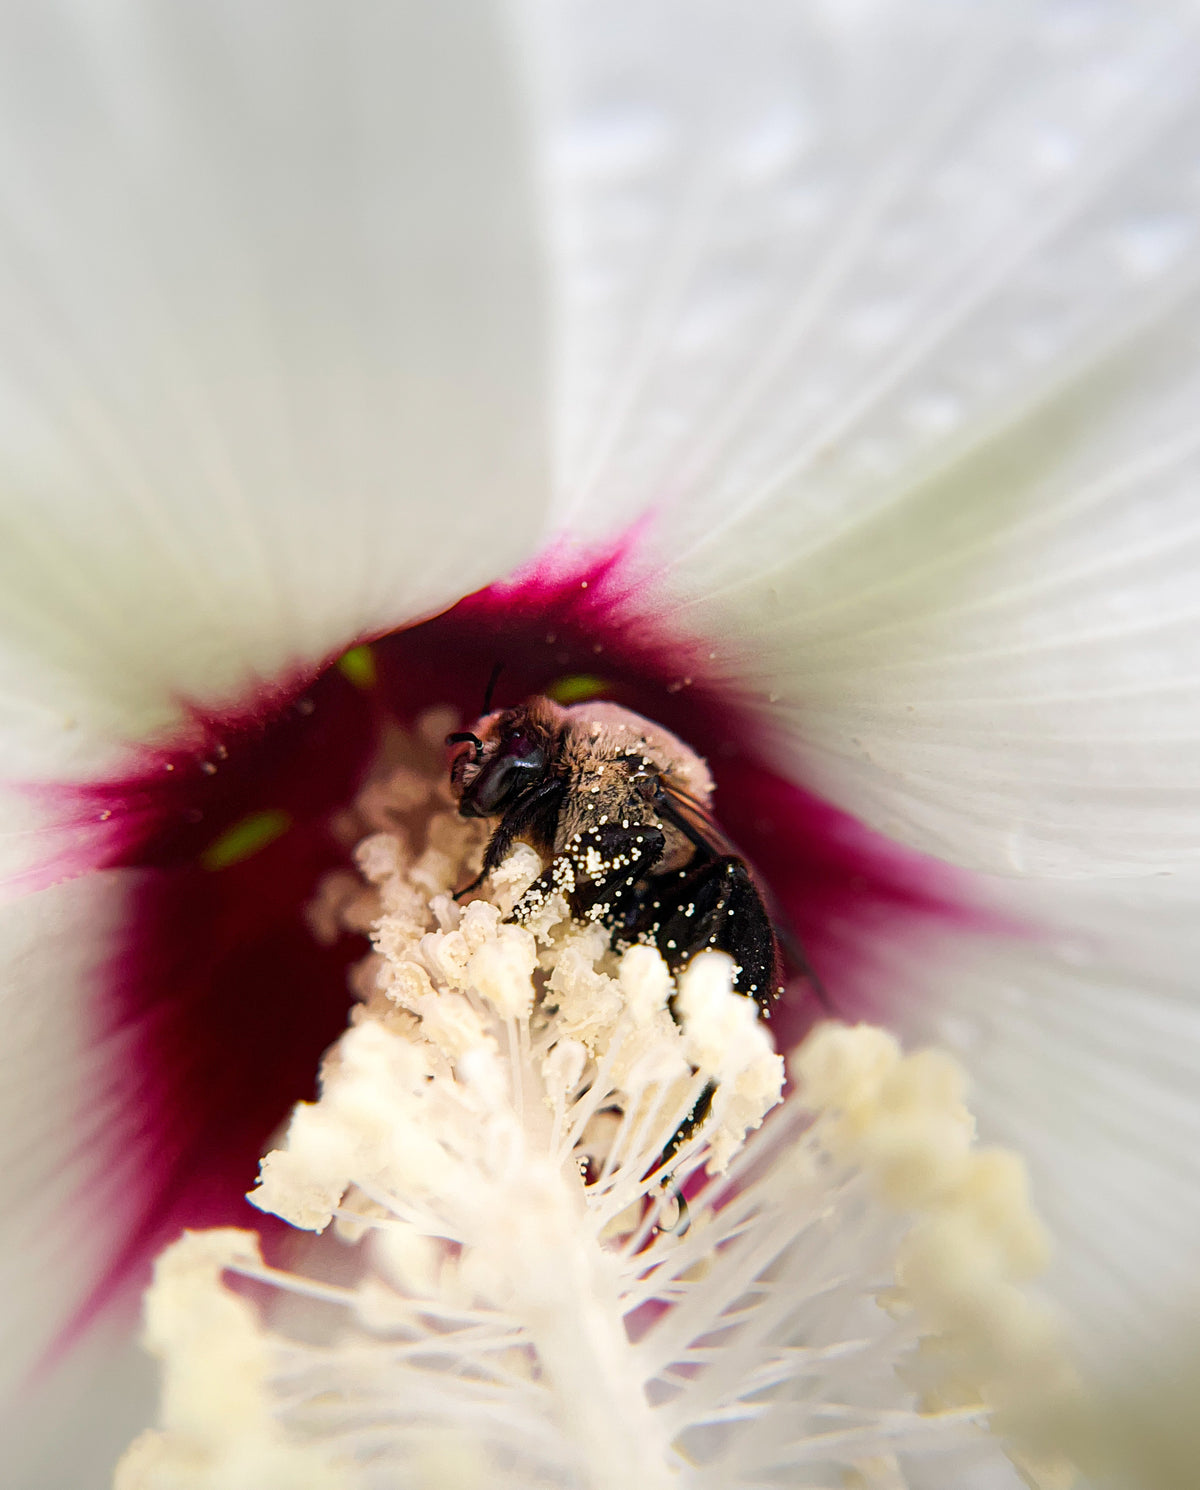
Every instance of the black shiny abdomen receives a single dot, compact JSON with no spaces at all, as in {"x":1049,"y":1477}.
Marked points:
{"x":713,"y":903}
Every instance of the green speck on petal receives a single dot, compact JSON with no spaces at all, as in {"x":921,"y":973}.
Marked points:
{"x":245,"y":838}
{"x":576,"y":688}
{"x":358,"y":664}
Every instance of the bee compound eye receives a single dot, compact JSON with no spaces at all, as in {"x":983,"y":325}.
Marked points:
{"x":510,"y":773}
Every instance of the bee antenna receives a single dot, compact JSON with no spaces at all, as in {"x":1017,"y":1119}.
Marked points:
{"x":491,"y":687}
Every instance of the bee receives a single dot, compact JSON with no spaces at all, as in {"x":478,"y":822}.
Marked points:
{"x":620,"y":810}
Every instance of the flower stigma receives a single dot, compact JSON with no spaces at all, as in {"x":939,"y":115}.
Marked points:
{"x":497,"y":1276}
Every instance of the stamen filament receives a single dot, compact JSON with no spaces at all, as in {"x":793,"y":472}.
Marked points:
{"x":521,"y":1311}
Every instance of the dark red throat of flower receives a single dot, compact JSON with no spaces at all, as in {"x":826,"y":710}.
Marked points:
{"x":219,"y":998}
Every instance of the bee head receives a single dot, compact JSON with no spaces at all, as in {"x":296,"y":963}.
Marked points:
{"x":508,"y":754}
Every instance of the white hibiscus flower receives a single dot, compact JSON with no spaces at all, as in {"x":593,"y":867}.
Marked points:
{"x":866,"y":334}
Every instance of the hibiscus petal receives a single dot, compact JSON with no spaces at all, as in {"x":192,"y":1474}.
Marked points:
{"x":107,"y":1393}
{"x":270,"y":378}
{"x":1083,"y":1042}
{"x":58,"y":1223}
{"x":270,"y":347}
{"x":888,"y":317}
{"x":888,"y":313}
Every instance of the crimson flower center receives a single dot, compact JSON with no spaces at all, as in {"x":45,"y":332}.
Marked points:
{"x":219,"y":997}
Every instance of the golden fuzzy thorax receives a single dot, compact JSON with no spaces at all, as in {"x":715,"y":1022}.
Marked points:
{"x":598,"y":740}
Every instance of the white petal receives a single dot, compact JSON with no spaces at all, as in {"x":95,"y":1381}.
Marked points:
{"x":59,"y":1221}
{"x":270,"y":361}
{"x":888,"y":314}
{"x":270,"y":378}
{"x":70,"y":1436}
{"x":1084,"y":1043}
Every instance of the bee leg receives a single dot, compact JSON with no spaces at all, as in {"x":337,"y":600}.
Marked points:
{"x":715,"y":904}
{"x":536,"y":816}
{"x":686,"y":1130}
{"x":700,"y":1110}
{"x":598,"y":873}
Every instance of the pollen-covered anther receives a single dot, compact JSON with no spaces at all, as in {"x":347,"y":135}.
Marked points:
{"x":974,"y":1240}
{"x":501,"y":1138}
{"x":218,"y":1425}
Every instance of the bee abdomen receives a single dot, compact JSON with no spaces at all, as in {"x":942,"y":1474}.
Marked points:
{"x":714,"y":904}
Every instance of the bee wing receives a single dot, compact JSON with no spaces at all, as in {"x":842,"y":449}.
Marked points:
{"x":692,"y":819}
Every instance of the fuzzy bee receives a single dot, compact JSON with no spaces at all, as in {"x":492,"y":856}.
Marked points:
{"x":619,"y":808}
